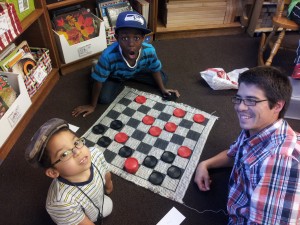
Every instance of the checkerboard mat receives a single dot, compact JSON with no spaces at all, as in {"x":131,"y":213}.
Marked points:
{"x":188,"y":133}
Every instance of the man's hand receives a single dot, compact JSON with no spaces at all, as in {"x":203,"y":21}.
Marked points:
{"x":202,"y":178}
{"x":85,"y":109}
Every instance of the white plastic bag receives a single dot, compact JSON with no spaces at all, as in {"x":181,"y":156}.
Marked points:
{"x":218,"y":79}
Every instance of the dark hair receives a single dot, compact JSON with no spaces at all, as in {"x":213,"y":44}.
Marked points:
{"x":272,"y":81}
{"x":45,"y":161}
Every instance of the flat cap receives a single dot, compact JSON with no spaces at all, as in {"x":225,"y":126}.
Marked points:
{"x":35,"y":149}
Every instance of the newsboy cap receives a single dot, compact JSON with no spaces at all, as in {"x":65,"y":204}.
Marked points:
{"x":35,"y":149}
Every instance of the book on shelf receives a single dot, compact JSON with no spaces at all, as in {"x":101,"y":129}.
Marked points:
{"x":19,"y":61}
{"x":142,"y":7}
{"x":114,"y":11}
{"x":104,"y":4}
{"x":76,"y":26}
{"x":7,"y":95}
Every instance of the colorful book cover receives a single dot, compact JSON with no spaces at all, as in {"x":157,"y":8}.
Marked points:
{"x":7,"y":95}
{"x":8,"y":62}
{"x":77,"y":26}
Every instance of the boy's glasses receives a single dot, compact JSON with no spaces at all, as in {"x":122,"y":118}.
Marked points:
{"x":247,"y":101}
{"x":65,"y":156}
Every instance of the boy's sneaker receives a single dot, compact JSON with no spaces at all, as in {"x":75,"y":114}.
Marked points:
{"x":296,"y":72}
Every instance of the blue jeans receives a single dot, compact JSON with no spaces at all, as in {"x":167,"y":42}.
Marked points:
{"x":112,"y":87}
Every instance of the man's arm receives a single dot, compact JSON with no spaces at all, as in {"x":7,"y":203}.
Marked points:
{"x":202,"y":178}
{"x":88,"y":109}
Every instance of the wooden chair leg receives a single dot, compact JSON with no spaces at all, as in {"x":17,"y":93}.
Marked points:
{"x":264,"y":42}
{"x":275,"y":47}
{"x":260,"y":60}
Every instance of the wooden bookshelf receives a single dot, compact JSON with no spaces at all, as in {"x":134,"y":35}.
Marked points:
{"x":194,"y":18}
{"x":36,"y":23}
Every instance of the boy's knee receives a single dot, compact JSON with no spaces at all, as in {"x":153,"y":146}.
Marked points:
{"x":105,"y":100}
{"x":107,"y":206}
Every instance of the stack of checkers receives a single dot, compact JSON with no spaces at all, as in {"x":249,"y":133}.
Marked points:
{"x":152,"y":143}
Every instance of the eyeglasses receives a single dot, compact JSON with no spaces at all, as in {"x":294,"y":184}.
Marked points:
{"x":65,"y":156}
{"x":247,"y":101}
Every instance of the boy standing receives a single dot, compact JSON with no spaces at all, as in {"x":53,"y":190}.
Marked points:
{"x":128,"y":58}
{"x":264,"y":186}
{"x":80,"y":176}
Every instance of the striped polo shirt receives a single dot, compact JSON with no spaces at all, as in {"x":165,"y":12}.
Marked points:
{"x":66,"y":204}
{"x":111,"y":63}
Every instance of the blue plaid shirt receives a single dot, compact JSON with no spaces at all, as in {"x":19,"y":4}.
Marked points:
{"x":111,"y":64}
{"x":264,"y":186}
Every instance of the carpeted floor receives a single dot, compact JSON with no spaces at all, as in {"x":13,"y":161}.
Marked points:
{"x":23,"y":189}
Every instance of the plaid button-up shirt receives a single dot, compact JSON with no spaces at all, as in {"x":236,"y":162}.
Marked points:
{"x":264,"y":186}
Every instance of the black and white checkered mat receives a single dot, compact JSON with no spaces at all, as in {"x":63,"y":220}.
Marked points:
{"x":188,"y":133}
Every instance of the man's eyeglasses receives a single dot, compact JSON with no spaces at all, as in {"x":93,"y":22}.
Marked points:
{"x":247,"y":101}
{"x":65,"y":156}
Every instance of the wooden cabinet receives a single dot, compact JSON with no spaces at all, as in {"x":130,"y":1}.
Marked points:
{"x":37,"y":32}
{"x":191,"y":18}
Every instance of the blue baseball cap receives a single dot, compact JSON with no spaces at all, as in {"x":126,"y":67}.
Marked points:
{"x":132,"y":19}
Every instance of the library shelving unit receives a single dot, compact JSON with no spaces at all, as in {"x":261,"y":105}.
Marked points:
{"x":193,"y":18}
{"x":37,"y":32}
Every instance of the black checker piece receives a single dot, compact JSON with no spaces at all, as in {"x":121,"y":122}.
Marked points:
{"x":156,"y":178}
{"x":116,"y":125}
{"x":150,"y":161}
{"x":98,"y":129}
{"x":168,"y":157}
{"x":125,"y":151}
{"x":104,"y":141}
{"x":174,"y":172}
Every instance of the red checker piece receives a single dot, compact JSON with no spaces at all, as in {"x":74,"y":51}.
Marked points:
{"x":140,"y":99}
{"x":170,"y":127}
{"x":121,"y":137}
{"x":179,"y":112}
{"x":149,"y":120}
{"x":155,"y":131}
{"x":131,"y":165}
{"x":184,"y":152}
{"x":199,"y":118}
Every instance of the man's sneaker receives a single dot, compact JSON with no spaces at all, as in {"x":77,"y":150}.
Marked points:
{"x":296,"y":72}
